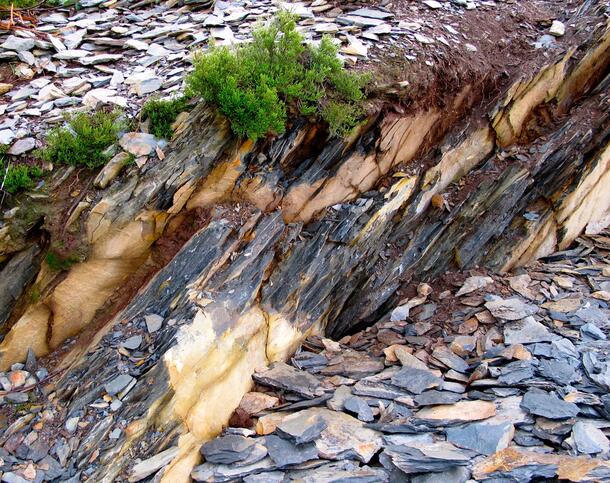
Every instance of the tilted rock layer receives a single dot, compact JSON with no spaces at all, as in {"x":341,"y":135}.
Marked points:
{"x":306,"y":235}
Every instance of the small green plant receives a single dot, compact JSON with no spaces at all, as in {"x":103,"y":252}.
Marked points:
{"x":131,"y":159}
{"x":257,"y":85}
{"x":16,"y":177}
{"x":58,"y":263}
{"x":6,"y":4}
{"x":161,"y":114}
{"x":84,"y":140}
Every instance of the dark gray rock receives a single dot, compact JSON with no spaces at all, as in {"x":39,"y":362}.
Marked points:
{"x":434,"y":457}
{"x":591,"y":331}
{"x":542,"y":403}
{"x":285,"y":453}
{"x":301,"y":427}
{"x":133,"y":342}
{"x":267,"y":477}
{"x":459,"y":474}
{"x":593,"y":315}
{"x":561,"y":372}
{"x":232,"y":449}
{"x":338,"y":400}
{"x":516,"y":372}
{"x":527,"y":331}
{"x":286,"y":377}
{"x":588,"y":439}
{"x":484,"y":438}
{"x":358,"y":406}
{"x":527,"y":439}
{"x":431,"y":398}
{"x":414,"y":380}
{"x":451,"y":360}
{"x":377,"y":389}
{"x":118,"y":384}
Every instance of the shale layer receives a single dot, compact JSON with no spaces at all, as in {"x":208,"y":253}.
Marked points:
{"x":298,"y":236}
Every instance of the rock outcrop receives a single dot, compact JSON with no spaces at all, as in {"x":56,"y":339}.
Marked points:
{"x":300,"y":236}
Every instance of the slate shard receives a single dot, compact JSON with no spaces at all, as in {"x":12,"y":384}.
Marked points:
{"x":542,"y":403}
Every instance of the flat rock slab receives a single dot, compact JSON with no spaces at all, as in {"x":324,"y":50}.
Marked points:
{"x":285,"y":453}
{"x":301,"y":428}
{"x":283,"y":376}
{"x":450,"y":359}
{"x":483,"y":438}
{"x":542,"y":403}
{"x":118,"y":384}
{"x":510,"y":309}
{"x":358,"y":406}
{"x":473,"y":283}
{"x":527,"y":331}
{"x":233,"y":448}
{"x":138,"y":143}
{"x":416,"y":381}
{"x":425,"y":457}
{"x":344,"y":437}
{"x":434,"y":398}
{"x":512,"y":462}
{"x":460,"y":411}
{"x":588,"y":439}
{"x":219,"y":472}
{"x":352,"y":363}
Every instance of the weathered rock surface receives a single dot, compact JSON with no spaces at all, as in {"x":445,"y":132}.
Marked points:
{"x":304,"y":235}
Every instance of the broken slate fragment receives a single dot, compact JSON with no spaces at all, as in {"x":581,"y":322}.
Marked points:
{"x":414,"y":380}
{"x":588,"y":439}
{"x":432,"y":457}
{"x":118,"y":384}
{"x":284,"y":453}
{"x":450,"y":359}
{"x":345,"y":437}
{"x":434,"y":398}
{"x":513,"y":464}
{"x":132,"y":343}
{"x":541,"y":403}
{"x":219,"y":472}
{"x":460,"y":411}
{"x":473,"y":283}
{"x":22,"y":146}
{"x":483,"y":438}
{"x":559,"y":371}
{"x":510,"y":309}
{"x":526,"y":331}
{"x":153,"y":322}
{"x":286,"y":377}
{"x":138,"y":143}
{"x":358,"y":406}
{"x":301,"y":427}
{"x":233,"y":449}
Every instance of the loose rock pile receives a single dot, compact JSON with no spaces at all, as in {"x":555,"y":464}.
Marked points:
{"x":503,"y":379}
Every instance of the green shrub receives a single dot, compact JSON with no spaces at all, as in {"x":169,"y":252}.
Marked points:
{"x":15,"y":177}
{"x":58,"y":263}
{"x":6,"y":4}
{"x":85,"y":139}
{"x":161,"y":114}
{"x":257,"y":85}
